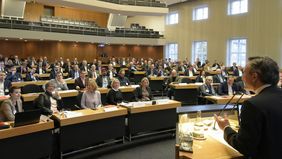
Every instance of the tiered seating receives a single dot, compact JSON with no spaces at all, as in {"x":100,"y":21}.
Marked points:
{"x":147,"y":3}
{"x":52,"y":24}
{"x":137,"y":31}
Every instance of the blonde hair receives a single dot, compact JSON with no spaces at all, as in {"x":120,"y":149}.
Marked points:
{"x":92,"y":83}
{"x":113,"y":81}
{"x":143,"y":79}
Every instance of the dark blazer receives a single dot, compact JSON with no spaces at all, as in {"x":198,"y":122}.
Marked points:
{"x":113,"y":97}
{"x":235,"y":71}
{"x":72,"y":74}
{"x":149,"y":72}
{"x":223,"y":89}
{"x":29,"y":78}
{"x":78,"y":82}
{"x":7,"y":85}
{"x":205,"y":90}
{"x":199,"y":79}
{"x":259,"y":135}
{"x":216,"y":78}
{"x":43,"y":102}
{"x":186,"y":73}
{"x":99,"y":81}
{"x":14,"y":78}
{"x":43,"y":70}
{"x":138,"y":93}
{"x":21,"y":70}
{"x":124,"y":81}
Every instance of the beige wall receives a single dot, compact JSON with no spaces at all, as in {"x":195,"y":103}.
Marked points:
{"x":152,"y":22}
{"x":262,"y":26}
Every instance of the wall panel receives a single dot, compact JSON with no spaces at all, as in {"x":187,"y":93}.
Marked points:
{"x":53,"y":50}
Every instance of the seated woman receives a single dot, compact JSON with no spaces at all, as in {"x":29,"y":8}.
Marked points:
{"x":11,"y":106}
{"x":114,"y":96}
{"x":49,"y":102}
{"x":143,"y":92}
{"x":91,"y":98}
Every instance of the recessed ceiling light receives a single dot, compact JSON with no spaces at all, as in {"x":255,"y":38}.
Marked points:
{"x":20,"y":38}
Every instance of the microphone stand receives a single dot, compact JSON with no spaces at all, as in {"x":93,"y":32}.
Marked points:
{"x":224,"y":109}
{"x":237,"y":107}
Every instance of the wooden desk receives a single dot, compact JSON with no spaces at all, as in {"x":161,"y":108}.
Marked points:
{"x":90,"y":127}
{"x":213,"y":146}
{"x":30,"y":141}
{"x":21,"y":84}
{"x":209,"y":148}
{"x":156,"y":83}
{"x":151,"y":119}
{"x":186,"y":93}
{"x":225,"y":99}
{"x":193,"y":78}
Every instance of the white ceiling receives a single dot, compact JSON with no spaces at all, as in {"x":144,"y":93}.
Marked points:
{"x":169,"y":2}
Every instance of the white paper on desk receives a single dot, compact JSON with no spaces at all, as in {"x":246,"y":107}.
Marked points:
{"x":70,"y":114}
{"x":138,"y":104}
{"x":135,"y":86}
{"x":181,"y":84}
{"x":162,"y":101}
{"x":109,"y":109}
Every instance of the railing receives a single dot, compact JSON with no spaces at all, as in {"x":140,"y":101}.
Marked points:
{"x":75,"y":29}
{"x":149,"y":3}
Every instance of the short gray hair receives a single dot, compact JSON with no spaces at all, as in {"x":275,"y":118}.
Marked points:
{"x":266,"y":68}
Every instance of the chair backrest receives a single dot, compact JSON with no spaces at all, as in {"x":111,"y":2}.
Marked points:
{"x":78,"y":99}
{"x":185,"y":80}
{"x":31,"y":88}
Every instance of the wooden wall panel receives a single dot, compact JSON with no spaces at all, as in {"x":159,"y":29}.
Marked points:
{"x":33,"y":11}
{"x":53,"y":50}
{"x":100,"y":18}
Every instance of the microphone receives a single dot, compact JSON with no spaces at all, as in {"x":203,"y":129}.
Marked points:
{"x":223,"y":109}
{"x":237,"y":104}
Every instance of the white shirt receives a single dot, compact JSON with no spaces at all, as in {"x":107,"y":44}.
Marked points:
{"x":54,"y":106}
{"x":257,"y":91}
{"x":2,"y":91}
{"x":230,"y":90}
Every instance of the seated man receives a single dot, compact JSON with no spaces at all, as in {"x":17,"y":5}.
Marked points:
{"x":218,"y":78}
{"x":12,"y":105}
{"x":228,"y":87}
{"x":74,"y":73}
{"x":32,"y":76}
{"x":103,"y":80}
{"x":59,"y":82}
{"x":13,"y":75}
{"x":49,"y":102}
{"x":173,"y":78}
{"x":4,"y":84}
{"x":81,"y":81}
{"x":207,"y":89}
{"x":124,"y":81}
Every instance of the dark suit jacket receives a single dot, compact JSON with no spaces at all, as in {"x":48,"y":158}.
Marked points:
{"x":7,"y":85}
{"x":235,"y":71}
{"x":43,"y":102}
{"x":14,"y":78}
{"x":99,"y":81}
{"x":43,"y":70}
{"x":223,"y":89}
{"x":114,"y":97}
{"x":138,"y":93}
{"x":124,"y":81}
{"x":78,"y":82}
{"x":186,"y":73}
{"x":216,"y":78}
{"x":72,"y":74}
{"x":28,"y":77}
{"x":206,"y":91}
{"x":149,"y":72}
{"x":259,"y":135}
{"x":199,"y":79}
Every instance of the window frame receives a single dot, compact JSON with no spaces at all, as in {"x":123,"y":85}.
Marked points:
{"x":168,"y":54}
{"x":229,"y":53}
{"x":230,"y":9}
{"x":195,"y":18}
{"x":168,"y":18}
{"x":194,"y":50}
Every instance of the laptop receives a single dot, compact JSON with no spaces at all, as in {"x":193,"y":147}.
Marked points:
{"x":27,"y":117}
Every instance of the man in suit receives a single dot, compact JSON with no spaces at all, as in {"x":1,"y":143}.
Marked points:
{"x":173,"y":78}
{"x":228,"y":87}
{"x":151,"y":71}
{"x":124,"y":81}
{"x":32,"y":76}
{"x":234,"y":69}
{"x":103,"y":80}
{"x":259,"y":135}
{"x":207,"y":89}
{"x":74,"y":73}
{"x":4,"y":84}
{"x":81,"y":81}
{"x":93,"y":73}
{"x":218,"y":78}
{"x":13,"y":75}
